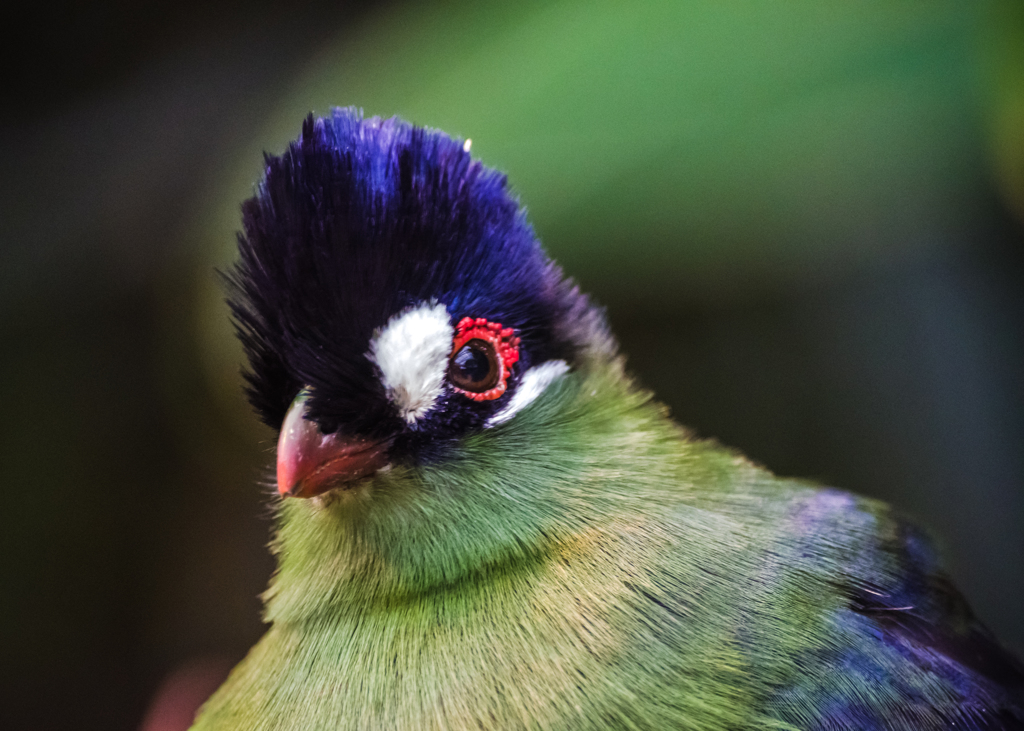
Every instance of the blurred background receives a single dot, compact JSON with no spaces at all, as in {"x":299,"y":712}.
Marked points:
{"x":805,"y":217}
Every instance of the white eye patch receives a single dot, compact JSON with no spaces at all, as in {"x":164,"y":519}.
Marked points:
{"x":531,"y":386}
{"x":412,"y":353}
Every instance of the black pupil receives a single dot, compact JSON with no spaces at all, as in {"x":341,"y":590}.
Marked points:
{"x":474,"y":368}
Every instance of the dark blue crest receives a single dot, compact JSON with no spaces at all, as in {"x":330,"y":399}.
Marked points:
{"x":358,"y":220}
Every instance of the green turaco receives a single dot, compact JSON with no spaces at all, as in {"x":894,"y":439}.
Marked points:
{"x":485,"y":524}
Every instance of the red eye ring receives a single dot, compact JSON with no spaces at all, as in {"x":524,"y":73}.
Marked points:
{"x":505,"y":343}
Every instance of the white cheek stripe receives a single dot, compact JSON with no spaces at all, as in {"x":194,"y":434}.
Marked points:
{"x":412,"y":353}
{"x":533,"y":384}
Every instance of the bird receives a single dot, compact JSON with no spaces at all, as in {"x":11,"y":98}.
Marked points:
{"x":485,"y":522}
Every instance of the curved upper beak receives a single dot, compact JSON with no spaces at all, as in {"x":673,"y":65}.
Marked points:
{"x":310,"y":462}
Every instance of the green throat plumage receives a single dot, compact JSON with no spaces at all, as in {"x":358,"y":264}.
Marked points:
{"x":512,"y":558}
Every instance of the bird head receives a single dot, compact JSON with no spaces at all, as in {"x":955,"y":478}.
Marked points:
{"x":399,"y":316}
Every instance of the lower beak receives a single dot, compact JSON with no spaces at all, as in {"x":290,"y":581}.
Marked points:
{"x":310,"y":462}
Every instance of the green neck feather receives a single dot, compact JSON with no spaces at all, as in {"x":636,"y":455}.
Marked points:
{"x":514,"y":586}
{"x":503,"y":497}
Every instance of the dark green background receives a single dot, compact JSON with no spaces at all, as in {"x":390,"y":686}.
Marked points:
{"x":802,"y":216}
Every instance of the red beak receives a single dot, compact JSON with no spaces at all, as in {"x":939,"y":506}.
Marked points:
{"x":310,"y":462}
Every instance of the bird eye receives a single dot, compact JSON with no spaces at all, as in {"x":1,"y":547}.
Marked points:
{"x":483,"y":354}
{"x":475,"y":366}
